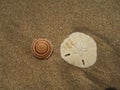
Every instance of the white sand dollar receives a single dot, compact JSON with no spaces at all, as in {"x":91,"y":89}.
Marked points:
{"x":79,"y":50}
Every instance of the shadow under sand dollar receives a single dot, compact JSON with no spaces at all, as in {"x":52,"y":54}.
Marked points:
{"x":110,"y":88}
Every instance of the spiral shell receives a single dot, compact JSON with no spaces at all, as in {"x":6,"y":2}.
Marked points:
{"x":42,"y":48}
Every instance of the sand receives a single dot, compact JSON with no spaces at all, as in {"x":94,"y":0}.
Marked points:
{"x":22,"y":21}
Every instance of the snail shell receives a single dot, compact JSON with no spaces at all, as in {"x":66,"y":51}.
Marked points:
{"x":42,"y":48}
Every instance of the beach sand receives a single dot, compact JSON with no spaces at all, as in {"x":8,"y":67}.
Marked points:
{"x":22,"y":21}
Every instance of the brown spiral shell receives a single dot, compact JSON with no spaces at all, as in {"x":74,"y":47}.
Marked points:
{"x":42,"y":48}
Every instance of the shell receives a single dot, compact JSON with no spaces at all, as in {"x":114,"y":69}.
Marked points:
{"x":42,"y":48}
{"x":79,"y":50}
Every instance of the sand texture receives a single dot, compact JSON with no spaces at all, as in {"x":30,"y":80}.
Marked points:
{"x":22,"y":21}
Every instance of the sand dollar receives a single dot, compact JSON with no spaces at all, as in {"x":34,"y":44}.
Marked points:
{"x":79,"y":50}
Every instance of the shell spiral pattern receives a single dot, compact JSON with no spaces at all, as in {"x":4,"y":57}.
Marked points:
{"x":42,"y":48}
